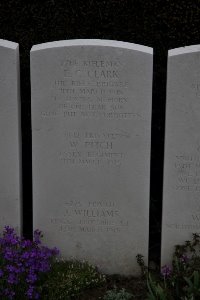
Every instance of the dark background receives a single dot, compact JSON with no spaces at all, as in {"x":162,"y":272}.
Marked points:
{"x":163,"y":25}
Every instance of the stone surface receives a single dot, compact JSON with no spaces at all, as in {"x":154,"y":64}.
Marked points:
{"x":10,"y":153}
{"x":91,"y":121}
{"x":181,"y":191}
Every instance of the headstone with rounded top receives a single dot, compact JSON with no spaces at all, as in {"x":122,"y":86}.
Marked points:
{"x":91,"y":124}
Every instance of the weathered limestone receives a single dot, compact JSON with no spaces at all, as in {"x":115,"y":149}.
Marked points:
{"x":91,"y":124}
{"x":181,"y":192}
{"x":10,"y":136}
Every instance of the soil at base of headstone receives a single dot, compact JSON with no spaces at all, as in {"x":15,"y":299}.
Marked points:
{"x":133,"y":285}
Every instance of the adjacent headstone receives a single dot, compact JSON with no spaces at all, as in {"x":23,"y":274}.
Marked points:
{"x":181,"y":191}
{"x":91,"y":124}
{"x":10,"y":167}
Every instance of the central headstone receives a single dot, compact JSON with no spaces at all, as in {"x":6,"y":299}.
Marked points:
{"x":91,"y":124}
{"x":10,"y":137}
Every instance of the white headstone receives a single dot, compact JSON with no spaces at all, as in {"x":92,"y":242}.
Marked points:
{"x":91,"y":121}
{"x":181,"y":191}
{"x":10,"y":167}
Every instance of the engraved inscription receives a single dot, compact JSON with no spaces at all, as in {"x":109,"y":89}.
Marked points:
{"x":92,"y":89}
{"x":187,"y":180}
{"x":94,"y":216}
{"x":187,"y":168}
{"x":193,"y":223}
{"x":97,"y":148}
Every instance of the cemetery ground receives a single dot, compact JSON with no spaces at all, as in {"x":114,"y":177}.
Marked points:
{"x":132,"y":285}
{"x":178,"y":281}
{"x":112,"y":287}
{"x":31,"y":270}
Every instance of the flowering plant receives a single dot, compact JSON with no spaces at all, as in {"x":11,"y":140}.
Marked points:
{"x":181,"y":280}
{"x":22,"y":264}
{"x":68,"y":279}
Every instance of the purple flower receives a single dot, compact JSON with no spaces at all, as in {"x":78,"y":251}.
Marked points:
{"x":10,"y":268}
{"x":37,"y":236}
{"x":9,"y":293}
{"x":31,"y":278}
{"x":32,"y":293}
{"x":8,"y":230}
{"x":184,"y":258}
{"x":10,"y":236}
{"x":25,"y":255}
{"x":12,"y":279}
{"x":1,"y":273}
{"x":9,"y":254}
{"x":23,"y":262}
{"x":166,"y":271}
{"x":55,"y":251}
{"x":26,"y":243}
